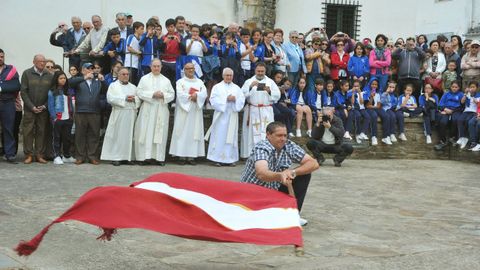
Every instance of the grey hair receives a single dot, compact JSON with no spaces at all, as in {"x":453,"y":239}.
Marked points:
{"x":76,"y":18}
{"x":120,"y":14}
{"x":326,"y":110}
{"x":294,"y":32}
{"x":96,"y":16}
{"x":227,"y":69}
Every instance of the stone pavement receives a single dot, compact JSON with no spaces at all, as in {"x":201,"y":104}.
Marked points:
{"x":369,"y":214}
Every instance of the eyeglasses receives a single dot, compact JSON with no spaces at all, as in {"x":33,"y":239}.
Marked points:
{"x":324,"y":44}
{"x":316,"y":43}
{"x":87,"y":28}
{"x":474,"y":47}
{"x":49,"y":67}
{"x":293,"y":37}
{"x":61,"y":25}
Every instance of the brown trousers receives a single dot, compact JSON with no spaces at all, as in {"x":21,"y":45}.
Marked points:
{"x":87,"y":135}
{"x":34,"y":128}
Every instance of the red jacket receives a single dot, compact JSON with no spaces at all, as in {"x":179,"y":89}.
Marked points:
{"x":338,"y":64}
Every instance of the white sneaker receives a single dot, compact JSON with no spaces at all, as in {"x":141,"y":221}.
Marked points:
{"x":68,"y":160}
{"x":459,"y":141}
{"x":58,"y":161}
{"x":402,"y":137}
{"x":299,"y":133}
{"x":405,"y":114}
{"x":429,"y":139}
{"x":476,"y":148}
{"x":374,"y":140}
{"x":303,"y":222}
{"x":347,"y":135}
{"x":363,"y":136}
{"x":464,"y":142}
{"x":291,"y":135}
{"x":387,"y":141}
{"x":358,"y":139}
{"x":309,"y":133}
{"x":393,"y":138}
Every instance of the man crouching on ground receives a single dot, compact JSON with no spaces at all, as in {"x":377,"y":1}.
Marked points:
{"x":327,"y":137}
{"x":270,"y":160}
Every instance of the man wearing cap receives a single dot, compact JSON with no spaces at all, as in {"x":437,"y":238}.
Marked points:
{"x":88,"y":89}
{"x":129,"y":17}
{"x":36,"y":82}
{"x":471,"y":64}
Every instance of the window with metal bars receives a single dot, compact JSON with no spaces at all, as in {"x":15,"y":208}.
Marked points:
{"x":341,"y":16}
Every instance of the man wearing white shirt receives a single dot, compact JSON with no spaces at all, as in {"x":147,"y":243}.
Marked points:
{"x":151,"y":128}
{"x":261,"y":93}
{"x":187,"y":137}
{"x":118,"y":141}
{"x":227,"y":100}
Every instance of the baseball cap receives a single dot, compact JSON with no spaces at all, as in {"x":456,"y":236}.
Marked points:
{"x":475,"y":42}
{"x":128,"y":14}
{"x":87,"y":65}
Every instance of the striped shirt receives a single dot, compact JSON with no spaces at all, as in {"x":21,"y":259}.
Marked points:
{"x":277,"y":161}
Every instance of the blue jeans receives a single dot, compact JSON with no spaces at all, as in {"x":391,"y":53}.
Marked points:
{"x":388,"y":122}
{"x":443,"y":121}
{"x":473,"y":129}
{"x":311,"y":78}
{"x":7,"y":120}
{"x":373,"y":122}
{"x":400,"y":121}
{"x":294,"y":77}
{"x":382,"y":81}
{"x":462,"y":123}
{"x":347,"y":120}
{"x":358,"y":115}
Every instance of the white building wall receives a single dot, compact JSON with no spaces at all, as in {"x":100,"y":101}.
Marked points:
{"x":28,"y":24}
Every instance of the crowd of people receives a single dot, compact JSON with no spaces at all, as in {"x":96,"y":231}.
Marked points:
{"x":123,"y":82}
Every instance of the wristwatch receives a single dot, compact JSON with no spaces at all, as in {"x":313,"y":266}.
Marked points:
{"x":294,"y":173}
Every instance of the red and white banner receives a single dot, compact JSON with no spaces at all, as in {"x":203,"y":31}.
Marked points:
{"x":188,"y":206}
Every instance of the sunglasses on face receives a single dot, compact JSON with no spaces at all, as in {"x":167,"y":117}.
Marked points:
{"x":293,"y":37}
{"x":49,"y":67}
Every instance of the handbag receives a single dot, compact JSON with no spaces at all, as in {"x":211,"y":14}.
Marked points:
{"x":436,"y":83}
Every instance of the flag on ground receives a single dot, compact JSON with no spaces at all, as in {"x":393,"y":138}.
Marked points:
{"x":190,"y":207}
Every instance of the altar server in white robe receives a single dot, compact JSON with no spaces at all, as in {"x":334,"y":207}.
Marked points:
{"x":261,"y":93}
{"x":118,"y":141}
{"x":227,"y":100}
{"x":151,"y":130}
{"x":188,"y":135}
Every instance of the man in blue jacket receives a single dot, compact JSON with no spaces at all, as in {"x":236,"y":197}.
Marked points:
{"x":88,"y":90}
{"x":9,"y":87}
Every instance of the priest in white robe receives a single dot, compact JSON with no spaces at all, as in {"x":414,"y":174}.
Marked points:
{"x":261,"y":93}
{"x":118,"y":141}
{"x":188,"y":135}
{"x":151,"y":130}
{"x":227,"y":100}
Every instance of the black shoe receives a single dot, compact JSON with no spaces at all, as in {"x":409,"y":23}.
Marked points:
{"x":192,"y":162}
{"x":142,"y":163}
{"x":11,"y":160}
{"x":116,"y":163}
{"x":160,"y":163}
{"x":453,"y":141}
{"x":337,"y":163}
{"x":182,"y":162}
{"x":233,"y":164}
{"x":217,"y":164}
{"x":440,"y":146}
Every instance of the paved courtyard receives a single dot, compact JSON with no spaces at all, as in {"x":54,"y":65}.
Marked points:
{"x":375,"y":214}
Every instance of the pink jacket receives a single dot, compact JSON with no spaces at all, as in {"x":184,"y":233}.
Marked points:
{"x":383,"y":64}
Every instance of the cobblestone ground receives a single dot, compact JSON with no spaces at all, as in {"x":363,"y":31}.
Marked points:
{"x":368,"y":214}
